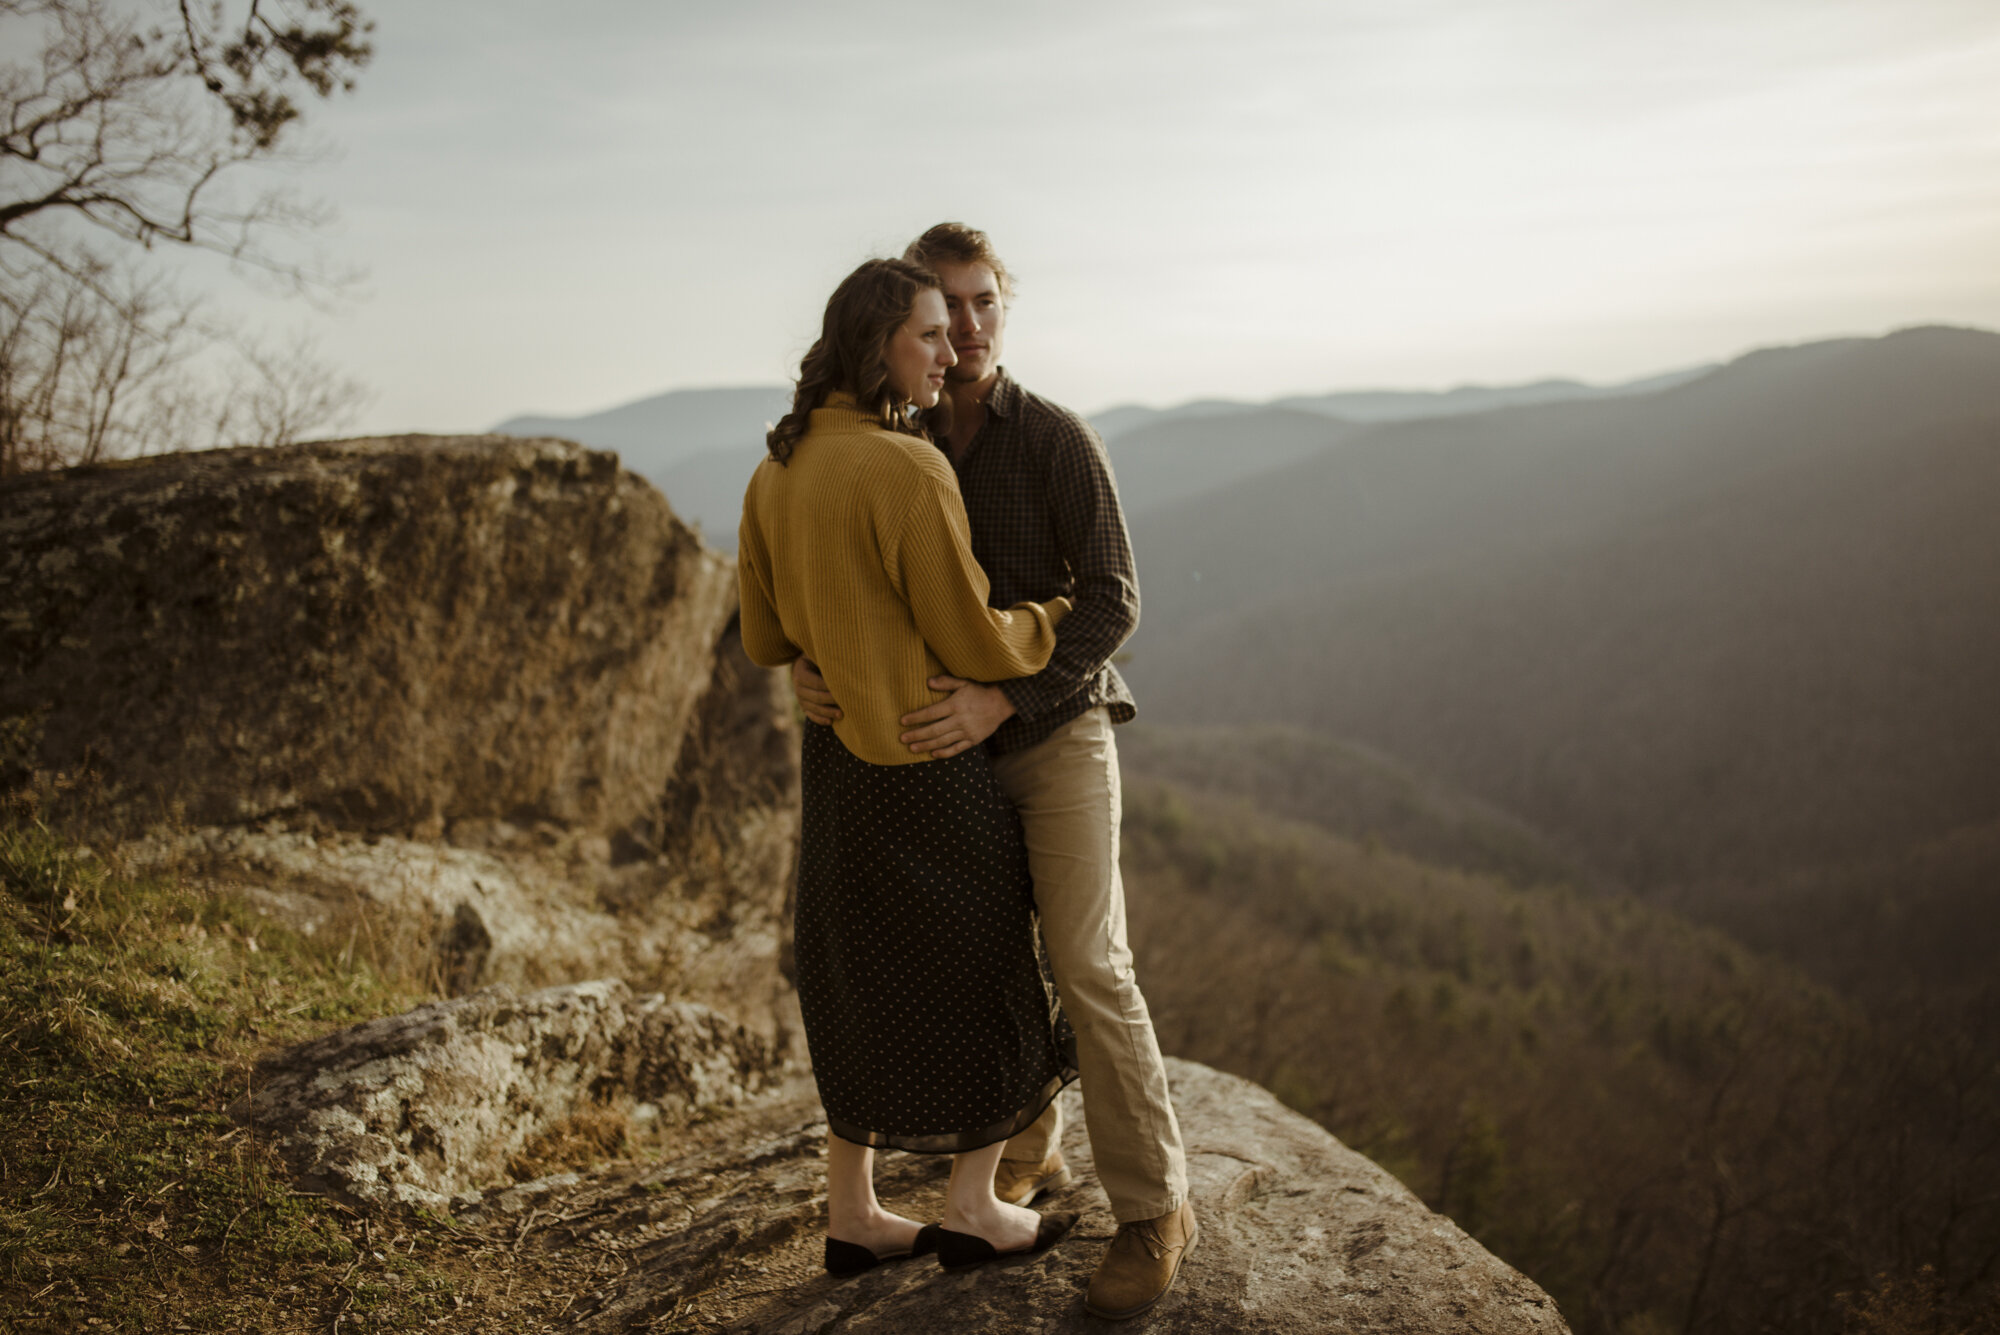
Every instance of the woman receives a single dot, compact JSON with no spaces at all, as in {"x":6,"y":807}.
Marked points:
{"x":931,"y":1024}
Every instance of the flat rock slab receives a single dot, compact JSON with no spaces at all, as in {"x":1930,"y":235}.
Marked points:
{"x":1299,"y":1234}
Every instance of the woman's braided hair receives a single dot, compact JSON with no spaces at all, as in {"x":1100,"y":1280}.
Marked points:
{"x":863,"y":313}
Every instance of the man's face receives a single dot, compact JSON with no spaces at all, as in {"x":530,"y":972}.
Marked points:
{"x":978,"y":318}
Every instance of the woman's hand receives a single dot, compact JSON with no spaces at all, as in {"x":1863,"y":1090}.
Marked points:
{"x":814,"y":697}
{"x":964,"y":720}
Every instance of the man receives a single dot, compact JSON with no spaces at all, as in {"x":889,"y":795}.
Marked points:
{"x":1045,"y":523}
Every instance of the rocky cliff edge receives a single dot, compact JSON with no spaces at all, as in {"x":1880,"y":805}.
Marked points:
{"x":716,"y":1224}
{"x":477,"y":707}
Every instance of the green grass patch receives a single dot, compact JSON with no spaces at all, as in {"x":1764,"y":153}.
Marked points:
{"x":134,"y":1007}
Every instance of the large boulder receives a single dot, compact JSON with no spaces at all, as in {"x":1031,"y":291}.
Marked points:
{"x":390,"y":633}
{"x":475,"y":706}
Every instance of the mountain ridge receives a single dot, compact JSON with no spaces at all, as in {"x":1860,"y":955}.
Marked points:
{"x":700,"y":445}
{"x":1773,"y":582}
{"x":1395,"y":405}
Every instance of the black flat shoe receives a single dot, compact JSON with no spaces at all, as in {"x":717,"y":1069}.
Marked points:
{"x":851,"y":1258}
{"x":956,"y":1251}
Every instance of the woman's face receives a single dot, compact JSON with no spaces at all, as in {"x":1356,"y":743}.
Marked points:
{"x":920,"y":352}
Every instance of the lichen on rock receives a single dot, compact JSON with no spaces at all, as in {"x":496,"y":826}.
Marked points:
{"x":417,"y":1108}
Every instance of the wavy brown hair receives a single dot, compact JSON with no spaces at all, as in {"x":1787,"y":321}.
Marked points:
{"x":863,"y":313}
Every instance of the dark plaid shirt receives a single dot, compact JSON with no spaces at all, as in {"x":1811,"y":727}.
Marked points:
{"x":1046,"y":524}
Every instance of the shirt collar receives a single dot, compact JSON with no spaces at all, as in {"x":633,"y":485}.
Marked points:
{"x":1006,"y":394}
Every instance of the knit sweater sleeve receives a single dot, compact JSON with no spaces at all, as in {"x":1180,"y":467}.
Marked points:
{"x":934,"y":568}
{"x":763,"y":637}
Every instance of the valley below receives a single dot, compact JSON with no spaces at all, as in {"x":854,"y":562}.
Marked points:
{"x":1596,"y":804}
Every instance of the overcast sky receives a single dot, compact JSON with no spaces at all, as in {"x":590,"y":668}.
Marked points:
{"x":560,"y":208}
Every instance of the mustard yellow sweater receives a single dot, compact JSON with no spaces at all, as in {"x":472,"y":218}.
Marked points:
{"x":857,"y":554}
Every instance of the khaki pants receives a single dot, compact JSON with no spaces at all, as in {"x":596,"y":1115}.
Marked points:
{"x":1068,"y":793}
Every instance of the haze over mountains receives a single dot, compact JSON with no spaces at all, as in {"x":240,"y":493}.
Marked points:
{"x":700,"y":445}
{"x":1398,"y":405}
{"x":697,"y":445}
{"x":1726,"y":633}
{"x":655,"y":433}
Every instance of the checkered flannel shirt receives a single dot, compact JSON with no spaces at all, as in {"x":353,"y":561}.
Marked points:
{"x":1045,"y":524}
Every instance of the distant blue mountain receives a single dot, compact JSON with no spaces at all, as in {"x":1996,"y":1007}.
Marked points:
{"x":653,"y":434}
{"x":699,"y":446}
{"x":1397,"y":405}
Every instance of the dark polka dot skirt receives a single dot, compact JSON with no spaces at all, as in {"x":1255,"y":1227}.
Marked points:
{"x":929,"y":1010}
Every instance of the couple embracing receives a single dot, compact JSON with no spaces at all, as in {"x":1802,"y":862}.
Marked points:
{"x":940,"y":557}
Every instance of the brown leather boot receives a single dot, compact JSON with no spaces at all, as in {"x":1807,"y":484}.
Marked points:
{"x":1018,"y":1183}
{"x":1141,"y":1264}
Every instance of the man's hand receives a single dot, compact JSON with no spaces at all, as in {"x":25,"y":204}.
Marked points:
{"x":963,"y":721}
{"x":810,"y":688}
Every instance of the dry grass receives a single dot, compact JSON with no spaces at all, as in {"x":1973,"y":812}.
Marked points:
{"x":586,"y":1137}
{"x":129,"y":1199}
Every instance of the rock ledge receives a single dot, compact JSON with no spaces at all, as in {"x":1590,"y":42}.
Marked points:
{"x":417,"y":1108}
{"x":1299,"y":1234}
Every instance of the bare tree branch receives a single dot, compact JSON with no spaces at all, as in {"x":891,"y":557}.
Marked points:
{"x":139,"y":133}
{"x":148,"y":120}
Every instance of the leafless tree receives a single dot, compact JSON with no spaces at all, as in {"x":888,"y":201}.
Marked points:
{"x":85,"y":353}
{"x":125,"y":130}
{"x":288,"y":394}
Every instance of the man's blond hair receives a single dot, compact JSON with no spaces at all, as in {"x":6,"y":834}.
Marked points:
{"x":955,"y":243}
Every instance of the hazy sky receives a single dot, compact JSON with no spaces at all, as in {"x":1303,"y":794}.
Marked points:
{"x":564,"y":207}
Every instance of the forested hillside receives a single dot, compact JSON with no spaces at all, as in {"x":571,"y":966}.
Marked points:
{"x":1665,"y":1130}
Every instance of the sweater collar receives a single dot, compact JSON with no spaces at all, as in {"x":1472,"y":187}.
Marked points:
{"x":839,"y":412}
